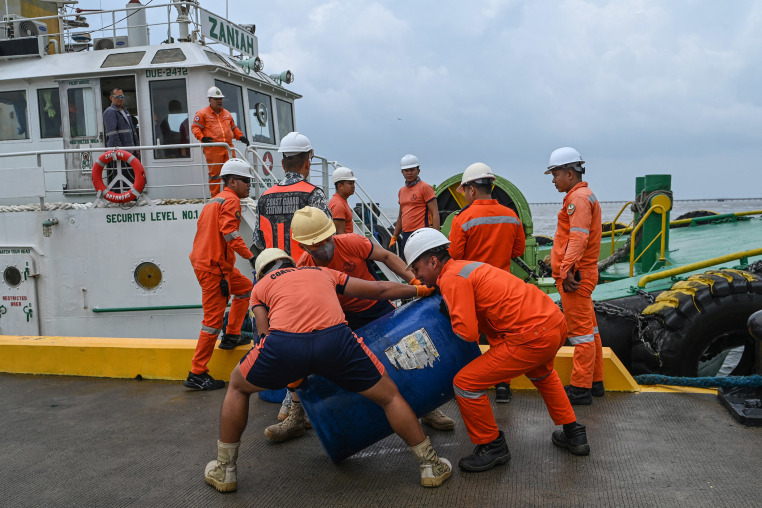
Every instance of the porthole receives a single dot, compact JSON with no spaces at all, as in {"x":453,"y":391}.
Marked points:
{"x":12,"y":276}
{"x":148,"y":275}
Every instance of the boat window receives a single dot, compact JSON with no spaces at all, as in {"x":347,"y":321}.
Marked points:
{"x":233,"y":102}
{"x":13,"y":122}
{"x":123,"y":59}
{"x":285,"y":118}
{"x":82,"y":119}
{"x":49,"y":105}
{"x":260,"y":117}
{"x":215,"y":58}
{"x":168,"y":55}
{"x":169,"y":109}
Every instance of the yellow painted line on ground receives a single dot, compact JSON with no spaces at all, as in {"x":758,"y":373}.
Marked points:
{"x":616,"y":378}
{"x":676,"y":389}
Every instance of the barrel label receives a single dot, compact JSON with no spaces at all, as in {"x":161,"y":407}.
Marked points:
{"x":414,"y":351}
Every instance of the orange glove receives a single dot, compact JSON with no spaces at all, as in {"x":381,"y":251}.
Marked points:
{"x":424,"y":290}
{"x":415,"y":282}
{"x":392,"y":241}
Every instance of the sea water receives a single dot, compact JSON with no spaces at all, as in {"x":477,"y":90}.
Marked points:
{"x":545,"y":215}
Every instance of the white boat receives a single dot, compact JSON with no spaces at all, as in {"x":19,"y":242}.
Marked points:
{"x":73,"y":262}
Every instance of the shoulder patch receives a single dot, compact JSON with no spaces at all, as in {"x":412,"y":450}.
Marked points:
{"x":238,"y":215}
{"x":196,"y":119}
{"x":570,"y":209}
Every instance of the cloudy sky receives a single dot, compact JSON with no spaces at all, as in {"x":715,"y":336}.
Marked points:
{"x":637,"y":86}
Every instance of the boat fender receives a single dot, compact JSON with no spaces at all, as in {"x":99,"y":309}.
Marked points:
{"x":136,"y":187}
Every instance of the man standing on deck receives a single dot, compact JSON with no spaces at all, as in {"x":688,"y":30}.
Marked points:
{"x":215,"y":124}
{"x":120,"y":131}
{"x":350,"y":254}
{"x":524,"y":328}
{"x":418,"y":203}
{"x":303,"y":333}
{"x":277,"y":205}
{"x":574,"y":259}
{"x":214,"y":248}
{"x":344,"y":183}
{"x":486,"y":231}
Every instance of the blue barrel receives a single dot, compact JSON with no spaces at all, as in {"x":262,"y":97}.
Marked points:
{"x":273,"y":395}
{"x":420,"y":352}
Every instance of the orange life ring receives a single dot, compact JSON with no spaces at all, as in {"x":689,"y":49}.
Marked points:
{"x":136,"y":187}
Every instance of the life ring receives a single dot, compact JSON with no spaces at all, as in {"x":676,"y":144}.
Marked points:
{"x":136,"y":187}
{"x":702,"y":320}
{"x":260,"y":110}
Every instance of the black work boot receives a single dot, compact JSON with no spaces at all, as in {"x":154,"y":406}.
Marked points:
{"x":578,"y":396}
{"x":597,"y":390}
{"x":574,"y":440}
{"x":230,"y":341}
{"x":486,"y":456}
{"x":203,"y":382}
{"x":503,"y":393}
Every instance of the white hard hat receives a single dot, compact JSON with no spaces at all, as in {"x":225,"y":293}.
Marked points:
{"x":343,"y":174}
{"x":409,"y":161}
{"x":311,"y":225}
{"x":422,"y":240}
{"x":294,"y":143}
{"x":237,"y":167}
{"x":267,"y":256}
{"x":215,"y":92}
{"x":476,"y":171}
{"x":562,"y":157}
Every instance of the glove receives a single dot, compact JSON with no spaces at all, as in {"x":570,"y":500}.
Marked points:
{"x":424,"y":291}
{"x":392,"y":241}
{"x":415,"y":282}
{"x":244,"y":140}
{"x":206,"y":139}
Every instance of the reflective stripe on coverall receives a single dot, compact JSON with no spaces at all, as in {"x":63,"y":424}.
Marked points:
{"x":524,"y":328}
{"x":216,"y":242}
{"x":487,"y":231}
{"x":221,"y":128}
{"x":576,"y":246}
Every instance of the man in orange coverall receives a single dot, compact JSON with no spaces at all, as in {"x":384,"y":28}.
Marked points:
{"x":215,"y":124}
{"x":351,"y":254}
{"x":213,"y":256}
{"x":486,"y":231}
{"x":574,"y":259}
{"x":303,"y":331}
{"x":524,"y":328}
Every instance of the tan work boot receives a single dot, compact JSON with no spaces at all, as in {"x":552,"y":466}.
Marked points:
{"x":220,"y":473}
{"x":438,"y":420}
{"x":434,"y":469}
{"x":291,"y":427}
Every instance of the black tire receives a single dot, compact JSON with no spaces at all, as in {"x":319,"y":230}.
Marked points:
{"x":606,"y":226}
{"x":543,"y":240}
{"x":702,"y":319}
{"x":692,"y":215}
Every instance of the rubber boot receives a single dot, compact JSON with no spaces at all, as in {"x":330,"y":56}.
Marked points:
{"x":597,"y":390}
{"x":233,"y":341}
{"x":486,"y":456}
{"x":578,"y":396}
{"x":220,"y":473}
{"x":291,"y":427}
{"x":434,"y":469}
{"x":503,"y":393}
{"x":438,"y":420}
{"x":574,"y":440}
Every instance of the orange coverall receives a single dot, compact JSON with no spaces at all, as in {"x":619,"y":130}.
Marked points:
{"x":524,"y":328}
{"x":487,"y":231}
{"x":576,"y":246}
{"x":213,"y":256}
{"x":221,"y":128}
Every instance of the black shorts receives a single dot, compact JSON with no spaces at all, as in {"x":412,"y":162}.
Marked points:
{"x":335,"y":353}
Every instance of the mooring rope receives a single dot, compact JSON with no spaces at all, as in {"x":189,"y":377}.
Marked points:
{"x":754,"y":381}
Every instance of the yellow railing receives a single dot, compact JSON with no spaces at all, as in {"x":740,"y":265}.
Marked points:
{"x":697,"y":266}
{"x":620,"y":231}
{"x":661,"y":205}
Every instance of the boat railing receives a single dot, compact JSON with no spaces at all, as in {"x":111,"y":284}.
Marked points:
{"x":661,"y":205}
{"x":620,"y":231}
{"x":76,"y":35}
{"x":742,"y":255}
